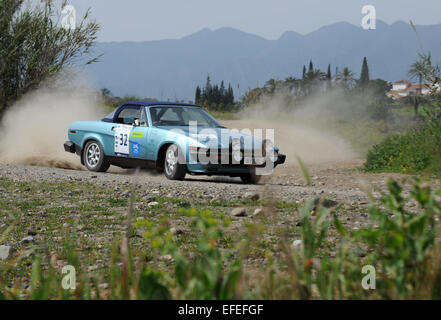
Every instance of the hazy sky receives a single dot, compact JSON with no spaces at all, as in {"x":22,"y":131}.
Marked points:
{"x":142,"y":20}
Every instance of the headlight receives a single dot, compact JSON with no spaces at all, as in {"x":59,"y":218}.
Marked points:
{"x":235,"y":144}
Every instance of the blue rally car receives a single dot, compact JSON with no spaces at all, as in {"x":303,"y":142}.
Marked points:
{"x":175,"y":138}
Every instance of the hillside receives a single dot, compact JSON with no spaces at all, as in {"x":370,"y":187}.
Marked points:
{"x":172,"y":68}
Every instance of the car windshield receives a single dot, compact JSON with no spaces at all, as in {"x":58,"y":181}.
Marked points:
{"x":181,"y":116}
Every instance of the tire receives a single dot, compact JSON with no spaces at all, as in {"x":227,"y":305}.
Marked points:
{"x":174,"y":163}
{"x":250,"y":178}
{"x":93,"y":156}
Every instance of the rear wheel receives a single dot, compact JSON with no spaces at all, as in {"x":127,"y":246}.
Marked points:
{"x":174,"y":168}
{"x":250,"y":178}
{"x":93,"y":156}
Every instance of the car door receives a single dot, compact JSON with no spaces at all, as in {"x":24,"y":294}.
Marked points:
{"x":138,"y":140}
{"x":130,"y":132}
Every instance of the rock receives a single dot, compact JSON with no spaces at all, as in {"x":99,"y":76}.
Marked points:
{"x":125,"y":194}
{"x":27,"y":239}
{"x":297,"y":244}
{"x":167,"y":258}
{"x":6,"y":252}
{"x":326,"y":203}
{"x":32,"y":233}
{"x":253,"y":196}
{"x":175,"y":231}
{"x":238,"y":212}
{"x":298,"y":223}
{"x":92,"y":268}
{"x":360,"y":252}
{"x":258,"y":212}
{"x":154,"y":203}
{"x":103,"y":286}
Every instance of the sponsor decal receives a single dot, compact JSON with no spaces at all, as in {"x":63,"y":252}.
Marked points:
{"x":136,"y":149}
{"x":137,"y":134}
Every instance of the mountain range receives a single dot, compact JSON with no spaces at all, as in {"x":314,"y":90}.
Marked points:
{"x":172,"y":68}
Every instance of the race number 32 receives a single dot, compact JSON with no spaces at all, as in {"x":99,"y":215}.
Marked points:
{"x":122,"y":134}
{"x":123,"y":139}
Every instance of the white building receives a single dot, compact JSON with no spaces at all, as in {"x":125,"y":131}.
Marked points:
{"x":404,"y":88}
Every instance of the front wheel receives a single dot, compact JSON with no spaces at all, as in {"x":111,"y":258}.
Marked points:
{"x":93,"y":156}
{"x":250,"y":178}
{"x":174,"y":168}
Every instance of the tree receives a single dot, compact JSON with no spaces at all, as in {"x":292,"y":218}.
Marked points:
{"x":270,"y":86}
{"x":346,"y":78}
{"x":230,"y":95}
{"x":208,"y":90}
{"x":34,"y":47}
{"x":304,"y":72}
{"x":106,"y":93}
{"x":364,"y":75}
{"x":419,"y":69}
{"x":311,"y":67}
{"x":214,"y":96}
{"x":197,"y":97}
{"x":328,"y":78}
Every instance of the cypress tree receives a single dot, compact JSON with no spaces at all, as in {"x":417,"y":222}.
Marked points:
{"x":328,"y":78}
{"x":364,"y":76}
{"x":230,"y":95}
{"x":304,"y":72}
{"x":311,"y":67}
{"x":208,"y":90}
{"x":222,"y":93}
{"x":197,"y":97}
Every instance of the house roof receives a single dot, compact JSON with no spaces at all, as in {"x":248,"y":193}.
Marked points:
{"x":403,"y":82}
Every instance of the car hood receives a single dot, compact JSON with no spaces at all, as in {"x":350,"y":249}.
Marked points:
{"x":215,"y":137}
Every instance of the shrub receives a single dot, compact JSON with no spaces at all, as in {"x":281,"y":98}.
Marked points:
{"x":413,"y":151}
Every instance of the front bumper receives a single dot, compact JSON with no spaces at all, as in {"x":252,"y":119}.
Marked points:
{"x":223,"y":164}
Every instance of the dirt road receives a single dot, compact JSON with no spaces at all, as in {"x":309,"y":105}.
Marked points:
{"x":342,"y":182}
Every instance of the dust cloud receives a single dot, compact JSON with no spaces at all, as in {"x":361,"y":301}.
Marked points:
{"x":34,"y":129}
{"x":305,"y":131}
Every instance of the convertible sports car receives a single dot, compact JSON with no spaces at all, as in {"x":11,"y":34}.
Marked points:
{"x":175,"y":138}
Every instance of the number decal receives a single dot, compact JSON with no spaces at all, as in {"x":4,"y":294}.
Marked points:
{"x":122,"y":134}
{"x":123,"y":139}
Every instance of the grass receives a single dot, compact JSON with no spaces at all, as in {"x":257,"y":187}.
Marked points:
{"x":140,"y":254}
{"x":94,"y":218}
